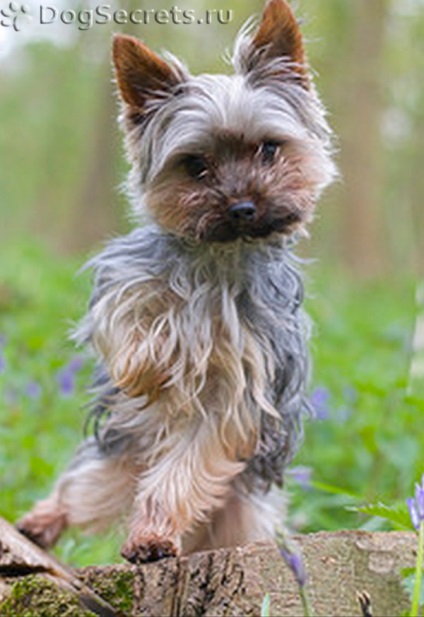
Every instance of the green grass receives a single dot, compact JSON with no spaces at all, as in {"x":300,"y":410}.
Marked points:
{"x":366,"y":449}
{"x":40,"y":426}
{"x":369,"y":446}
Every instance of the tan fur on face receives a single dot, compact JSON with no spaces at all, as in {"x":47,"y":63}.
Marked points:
{"x":286,"y":187}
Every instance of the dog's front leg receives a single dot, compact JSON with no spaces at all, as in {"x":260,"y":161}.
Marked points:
{"x":190,"y":481}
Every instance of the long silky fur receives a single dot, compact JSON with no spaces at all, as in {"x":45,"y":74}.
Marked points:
{"x":200,"y":388}
{"x":250,"y":289}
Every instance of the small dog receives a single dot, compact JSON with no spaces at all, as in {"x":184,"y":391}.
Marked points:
{"x":196,"y":318}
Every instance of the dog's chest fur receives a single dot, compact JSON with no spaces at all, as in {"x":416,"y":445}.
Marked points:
{"x":217,"y":328}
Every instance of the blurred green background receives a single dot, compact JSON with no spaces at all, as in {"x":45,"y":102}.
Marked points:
{"x":61,"y":165}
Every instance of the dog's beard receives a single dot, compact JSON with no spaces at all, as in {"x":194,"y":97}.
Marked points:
{"x":223,"y":231}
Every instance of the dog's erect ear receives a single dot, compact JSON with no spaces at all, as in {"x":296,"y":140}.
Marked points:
{"x":279,"y":33}
{"x":278,"y":36}
{"x":140,"y":73}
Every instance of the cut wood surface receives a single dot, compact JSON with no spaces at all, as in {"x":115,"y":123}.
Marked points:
{"x":225,"y":583}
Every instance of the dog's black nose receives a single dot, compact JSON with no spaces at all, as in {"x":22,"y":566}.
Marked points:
{"x":243,"y":211}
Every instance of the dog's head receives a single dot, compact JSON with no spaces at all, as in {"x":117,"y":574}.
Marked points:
{"x":216,"y":157}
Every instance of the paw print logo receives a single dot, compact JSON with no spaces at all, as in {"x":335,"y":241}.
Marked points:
{"x":12,"y":16}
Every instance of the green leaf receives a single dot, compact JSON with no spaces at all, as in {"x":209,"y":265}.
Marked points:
{"x":334,"y":490}
{"x":397,"y":514}
{"x":408,"y":582}
{"x":266,"y":606}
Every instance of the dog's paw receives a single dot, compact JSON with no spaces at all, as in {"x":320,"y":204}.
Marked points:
{"x":44,"y":529}
{"x":149,"y":548}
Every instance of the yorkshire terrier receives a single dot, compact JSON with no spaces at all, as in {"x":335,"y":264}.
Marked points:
{"x":196,"y":317}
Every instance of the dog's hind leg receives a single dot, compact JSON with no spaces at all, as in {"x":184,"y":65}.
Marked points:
{"x":243,"y":519}
{"x":93,"y":492}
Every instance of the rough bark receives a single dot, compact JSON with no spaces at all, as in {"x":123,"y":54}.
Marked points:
{"x":21,"y":561}
{"x":231,"y":583}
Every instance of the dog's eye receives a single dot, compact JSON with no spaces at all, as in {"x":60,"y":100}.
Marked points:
{"x":196,"y":166}
{"x":269,"y":150}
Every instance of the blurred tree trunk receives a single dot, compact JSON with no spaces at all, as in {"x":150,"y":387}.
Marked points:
{"x":361,"y":140}
{"x":415,"y":193}
{"x":95,"y":212}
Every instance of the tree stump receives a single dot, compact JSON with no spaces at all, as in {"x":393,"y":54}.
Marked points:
{"x":229,"y":583}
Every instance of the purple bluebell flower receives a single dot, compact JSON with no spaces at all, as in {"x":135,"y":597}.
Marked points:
{"x":2,"y":358}
{"x":33,"y":390}
{"x":419,"y":499}
{"x":416,"y":505}
{"x":295,"y":562}
{"x":66,"y":376}
{"x":350,"y":394}
{"x":66,"y":381}
{"x":415,"y":519}
{"x":319,"y":400}
{"x":10,"y":396}
{"x":76,"y":364}
{"x":302,"y":475}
